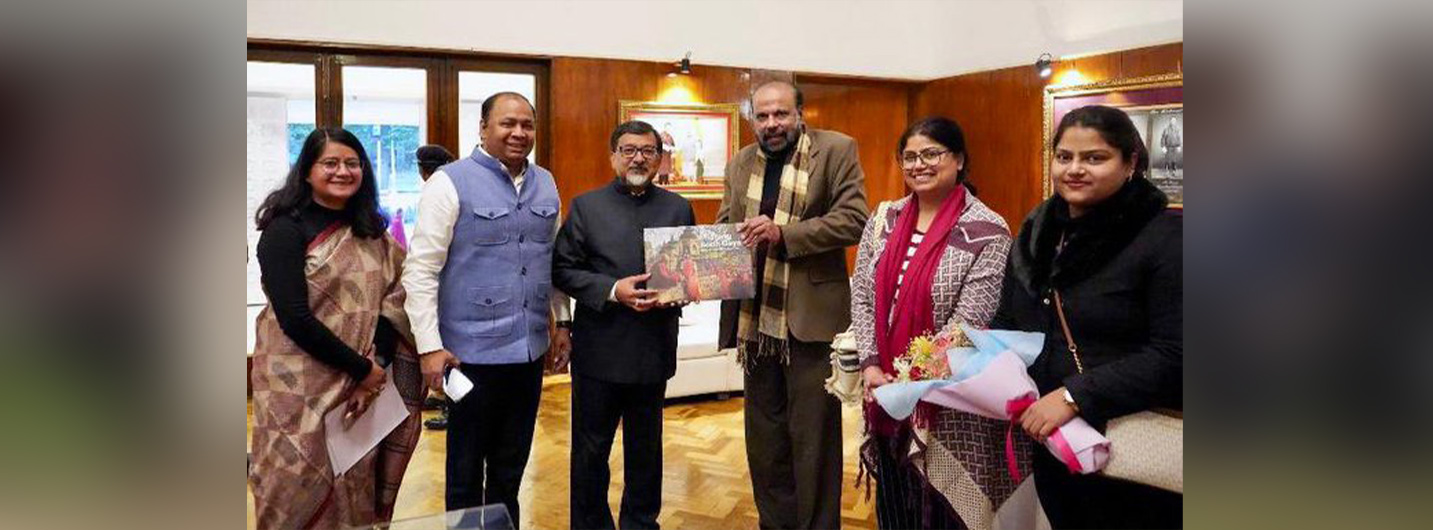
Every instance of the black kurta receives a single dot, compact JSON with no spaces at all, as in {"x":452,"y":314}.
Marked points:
{"x":600,"y":243}
{"x":621,"y":359}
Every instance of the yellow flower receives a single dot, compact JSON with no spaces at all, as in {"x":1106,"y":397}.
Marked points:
{"x":920,"y":346}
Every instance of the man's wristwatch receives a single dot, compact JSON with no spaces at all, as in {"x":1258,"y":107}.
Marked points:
{"x":1070,"y":401}
{"x":564,"y":324}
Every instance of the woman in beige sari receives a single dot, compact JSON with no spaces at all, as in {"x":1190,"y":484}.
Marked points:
{"x":335,"y":319}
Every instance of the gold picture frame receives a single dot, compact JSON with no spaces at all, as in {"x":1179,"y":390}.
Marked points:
{"x":704,"y":137}
{"x":1155,"y":104}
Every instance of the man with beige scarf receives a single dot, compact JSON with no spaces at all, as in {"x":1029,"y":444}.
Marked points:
{"x":799,"y":196}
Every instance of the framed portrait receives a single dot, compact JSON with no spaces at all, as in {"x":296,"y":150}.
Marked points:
{"x":697,"y":139}
{"x":1154,"y":104}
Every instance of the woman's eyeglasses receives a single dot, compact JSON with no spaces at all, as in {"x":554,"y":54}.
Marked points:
{"x":332,"y":164}
{"x":930,"y":156}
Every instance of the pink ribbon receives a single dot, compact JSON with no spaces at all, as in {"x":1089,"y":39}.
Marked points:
{"x":1014,"y":408}
{"x":1066,"y":453}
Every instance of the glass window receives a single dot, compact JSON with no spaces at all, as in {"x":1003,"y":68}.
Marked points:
{"x":473,"y":88}
{"x":280,"y":109}
{"x":387,"y":109}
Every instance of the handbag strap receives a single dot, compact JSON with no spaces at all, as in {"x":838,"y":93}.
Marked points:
{"x":1075,"y":352}
{"x":1065,"y":327}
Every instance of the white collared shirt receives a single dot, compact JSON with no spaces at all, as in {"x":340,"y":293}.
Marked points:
{"x":428,"y":252}
{"x":516,"y":179}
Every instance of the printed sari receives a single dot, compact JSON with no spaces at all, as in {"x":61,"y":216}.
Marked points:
{"x":352,"y":281}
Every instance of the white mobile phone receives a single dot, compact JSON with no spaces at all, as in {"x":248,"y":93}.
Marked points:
{"x":456,"y":385}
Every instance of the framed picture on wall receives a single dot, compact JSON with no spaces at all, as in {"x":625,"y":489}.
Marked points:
{"x":698,"y":141}
{"x":1154,"y":104}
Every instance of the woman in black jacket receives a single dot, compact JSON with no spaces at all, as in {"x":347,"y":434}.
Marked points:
{"x":1106,"y":249}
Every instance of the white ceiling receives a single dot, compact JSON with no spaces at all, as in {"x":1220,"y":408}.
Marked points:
{"x":907,"y":39}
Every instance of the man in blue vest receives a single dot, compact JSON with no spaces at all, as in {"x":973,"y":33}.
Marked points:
{"x":479,"y":283}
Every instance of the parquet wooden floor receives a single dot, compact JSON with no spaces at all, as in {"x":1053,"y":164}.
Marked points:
{"x":705,"y":484}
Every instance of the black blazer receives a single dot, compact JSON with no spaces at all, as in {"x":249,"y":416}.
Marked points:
{"x":600,"y":243}
{"x":1126,"y":313}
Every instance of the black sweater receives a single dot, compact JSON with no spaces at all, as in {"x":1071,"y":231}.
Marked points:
{"x":1120,"y":275}
{"x":282,"y":250}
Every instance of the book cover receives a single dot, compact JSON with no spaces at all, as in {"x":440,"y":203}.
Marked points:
{"x":692,"y":263}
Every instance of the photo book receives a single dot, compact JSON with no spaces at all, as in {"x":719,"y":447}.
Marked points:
{"x":693,"y":263}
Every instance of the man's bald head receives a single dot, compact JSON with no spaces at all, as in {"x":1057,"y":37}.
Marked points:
{"x":784,"y":87}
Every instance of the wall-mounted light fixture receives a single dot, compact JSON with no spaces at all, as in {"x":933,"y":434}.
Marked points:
{"x":683,"y":67}
{"x":1044,"y":65}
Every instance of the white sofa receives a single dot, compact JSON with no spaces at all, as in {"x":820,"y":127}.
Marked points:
{"x":702,"y":368}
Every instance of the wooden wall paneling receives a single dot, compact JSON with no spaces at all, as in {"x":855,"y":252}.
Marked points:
{"x":1145,"y":62}
{"x":1012,"y":131}
{"x":1094,"y":67}
{"x":874,"y":113}
{"x":544,"y":110}
{"x":583,"y":112}
{"x":992,"y":109}
{"x":1002,"y":115}
{"x":330,"y":90}
{"x":585,"y":93}
{"x":706,"y":210}
{"x":443,"y":92}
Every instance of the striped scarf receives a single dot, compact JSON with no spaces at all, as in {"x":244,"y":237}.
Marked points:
{"x":767,"y":338}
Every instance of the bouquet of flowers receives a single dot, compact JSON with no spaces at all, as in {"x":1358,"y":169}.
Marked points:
{"x":988,"y":379}
{"x":927,"y":357}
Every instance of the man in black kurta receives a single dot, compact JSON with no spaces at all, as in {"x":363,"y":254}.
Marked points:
{"x":624,"y":344}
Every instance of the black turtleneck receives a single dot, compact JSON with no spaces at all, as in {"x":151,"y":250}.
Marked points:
{"x":282,"y":251}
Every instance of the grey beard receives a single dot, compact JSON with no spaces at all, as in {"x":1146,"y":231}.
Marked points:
{"x":636,"y":180}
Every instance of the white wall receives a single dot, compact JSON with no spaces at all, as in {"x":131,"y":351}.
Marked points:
{"x":910,"y":39}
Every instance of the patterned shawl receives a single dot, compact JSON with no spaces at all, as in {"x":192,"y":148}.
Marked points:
{"x":768,"y":337}
{"x":352,"y":281}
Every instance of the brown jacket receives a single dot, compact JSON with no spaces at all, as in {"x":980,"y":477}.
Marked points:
{"x":818,"y":296}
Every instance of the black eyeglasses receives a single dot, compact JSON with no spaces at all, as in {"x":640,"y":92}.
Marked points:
{"x":628,"y":151}
{"x":930,"y":156}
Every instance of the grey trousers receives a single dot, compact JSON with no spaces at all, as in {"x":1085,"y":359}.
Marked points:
{"x":793,"y":439}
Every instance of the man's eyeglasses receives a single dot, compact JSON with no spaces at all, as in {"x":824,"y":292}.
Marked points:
{"x":628,"y":151}
{"x":332,"y":164}
{"x":930,"y":156}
